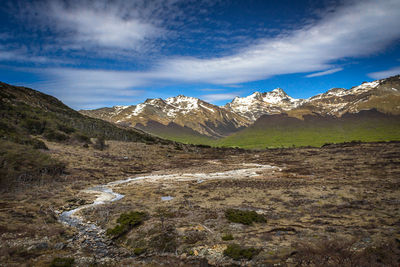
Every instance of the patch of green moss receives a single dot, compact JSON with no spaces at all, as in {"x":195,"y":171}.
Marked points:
{"x":227,"y":237}
{"x":244,"y":216}
{"x":139,"y":251}
{"x":237,"y":252}
{"x":126,"y":222}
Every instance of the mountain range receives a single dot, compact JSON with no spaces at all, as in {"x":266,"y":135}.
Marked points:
{"x":189,"y":119}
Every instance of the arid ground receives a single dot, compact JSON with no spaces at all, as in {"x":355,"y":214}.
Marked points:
{"x":317,"y":203}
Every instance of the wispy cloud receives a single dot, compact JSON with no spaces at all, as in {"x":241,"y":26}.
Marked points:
{"x":354,"y":30}
{"x":322,"y":73}
{"x":218,"y":97}
{"x":97,"y":26}
{"x":385,"y":73}
{"x":104,"y":28}
{"x":91,"y":88}
{"x":212,"y":89}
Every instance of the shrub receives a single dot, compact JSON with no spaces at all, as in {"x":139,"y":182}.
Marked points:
{"x":66,"y":129}
{"x":38,"y":144}
{"x":166,"y":241}
{"x":62,"y":262}
{"x":139,"y":251}
{"x":81,"y":138}
{"x":55,"y":136}
{"x":22,"y":164}
{"x":192,"y":237}
{"x":237,"y":252}
{"x":100,"y":143}
{"x":227,"y":237}
{"x":341,"y":252}
{"x":127,"y":221}
{"x":34,"y":126}
{"x":244,"y":216}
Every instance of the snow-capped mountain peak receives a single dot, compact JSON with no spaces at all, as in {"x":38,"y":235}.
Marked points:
{"x":257,"y":104}
{"x":276,"y":96}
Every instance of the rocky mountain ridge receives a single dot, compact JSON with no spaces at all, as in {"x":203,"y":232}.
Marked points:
{"x":218,"y":121}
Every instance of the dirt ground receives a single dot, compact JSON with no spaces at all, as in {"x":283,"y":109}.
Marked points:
{"x":337,"y":192}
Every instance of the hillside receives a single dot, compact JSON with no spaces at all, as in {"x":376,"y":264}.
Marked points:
{"x":28,"y":117}
{"x":281,"y":130}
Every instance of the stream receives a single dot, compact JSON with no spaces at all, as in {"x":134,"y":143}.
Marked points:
{"x":94,"y":238}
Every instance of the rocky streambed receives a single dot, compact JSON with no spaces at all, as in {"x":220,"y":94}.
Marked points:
{"x":91,"y":237}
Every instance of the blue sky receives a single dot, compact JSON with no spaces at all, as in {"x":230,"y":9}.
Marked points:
{"x":92,"y":54}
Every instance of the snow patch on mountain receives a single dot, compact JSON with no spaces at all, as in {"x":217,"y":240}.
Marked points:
{"x":365,"y":87}
{"x":257,"y":104}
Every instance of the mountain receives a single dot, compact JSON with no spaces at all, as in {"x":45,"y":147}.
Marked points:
{"x":257,"y":104}
{"x":181,"y":111}
{"x":384,"y":95}
{"x":191,"y":120}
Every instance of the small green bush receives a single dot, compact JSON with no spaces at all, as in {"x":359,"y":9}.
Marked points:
{"x":34,"y":126}
{"x":166,"y":240}
{"x":66,"y":129}
{"x":55,"y":136}
{"x":237,"y":252}
{"x":127,"y":221}
{"x":21,"y":164}
{"x":38,"y":144}
{"x":100,"y":143}
{"x":139,"y":251}
{"x":62,"y":262}
{"x":227,"y":237}
{"x":81,"y":138}
{"x":244,"y":216}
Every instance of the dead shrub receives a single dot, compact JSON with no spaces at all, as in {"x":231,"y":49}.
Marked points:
{"x":341,"y":252}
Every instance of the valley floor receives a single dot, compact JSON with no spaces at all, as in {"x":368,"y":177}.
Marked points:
{"x":316,"y":201}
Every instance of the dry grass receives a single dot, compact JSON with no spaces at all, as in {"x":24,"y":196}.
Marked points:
{"x":347,"y":192}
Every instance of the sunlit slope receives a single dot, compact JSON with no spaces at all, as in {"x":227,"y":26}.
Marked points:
{"x":176,"y":133}
{"x":283,"y":131}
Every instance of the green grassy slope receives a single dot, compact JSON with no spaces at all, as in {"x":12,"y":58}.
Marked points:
{"x":282,"y":131}
{"x":176,"y":133}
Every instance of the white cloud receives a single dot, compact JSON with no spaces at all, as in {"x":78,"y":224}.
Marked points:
{"x":322,"y":73}
{"x":105,"y":29}
{"x":354,"y":30}
{"x":218,"y":97}
{"x":101,"y":24}
{"x":385,"y":73}
{"x":212,"y":89}
{"x":90,"y":88}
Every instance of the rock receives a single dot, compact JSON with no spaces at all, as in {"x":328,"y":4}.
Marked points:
{"x":39,"y":246}
{"x":59,"y":246}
